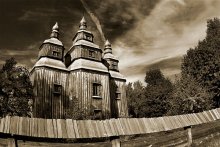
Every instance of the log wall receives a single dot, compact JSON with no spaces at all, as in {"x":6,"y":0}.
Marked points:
{"x":81,"y":87}
{"x":48,"y":104}
{"x":83,"y":52}
{"x":119,"y":106}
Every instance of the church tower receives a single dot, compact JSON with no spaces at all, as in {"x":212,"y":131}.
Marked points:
{"x":117,"y":84}
{"x":89,"y":77}
{"x":48,"y":77}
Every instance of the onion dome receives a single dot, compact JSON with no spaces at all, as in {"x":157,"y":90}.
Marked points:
{"x":55,"y":31}
{"x":55,"y":27}
{"x":108,"y":48}
{"x":108,"y":51}
{"x":54,"y":37}
{"x":82,"y":25}
{"x":83,"y":36}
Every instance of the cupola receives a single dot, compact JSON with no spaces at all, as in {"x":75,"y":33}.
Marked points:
{"x":52,"y":47}
{"x":109,"y":57}
{"x":83,"y":34}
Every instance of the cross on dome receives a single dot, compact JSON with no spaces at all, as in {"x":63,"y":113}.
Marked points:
{"x":83,"y":25}
{"x":55,"y":27}
{"x":55,"y":31}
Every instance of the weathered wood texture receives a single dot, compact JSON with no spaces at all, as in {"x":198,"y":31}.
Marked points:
{"x":47,"y":103}
{"x":47,"y":50}
{"x":83,"y":52}
{"x":61,"y":128}
{"x":81,"y":87}
{"x":119,"y":106}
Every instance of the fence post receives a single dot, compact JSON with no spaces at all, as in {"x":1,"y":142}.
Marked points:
{"x":115,"y":141}
{"x":11,"y":142}
{"x":189,"y":135}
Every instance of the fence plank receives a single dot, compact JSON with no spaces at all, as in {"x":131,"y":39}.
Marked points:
{"x":107,"y":128}
{"x":13,"y":125}
{"x":59,"y":129}
{"x":55,"y":131}
{"x":70,"y":130}
{"x":50,"y":130}
{"x":63,"y":128}
{"x":113,"y":129}
{"x":76,"y":130}
{"x":41,"y":127}
{"x":25,"y":126}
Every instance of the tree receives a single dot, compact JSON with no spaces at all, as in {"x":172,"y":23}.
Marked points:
{"x":203,"y":62}
{"x":16,"y":90}
{"x":135,"y":96}
{"x":189,"y":97}
{"x":157,"y":93}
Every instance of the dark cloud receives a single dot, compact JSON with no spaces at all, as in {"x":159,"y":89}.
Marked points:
{"x":119,"y":16}
{"x":144,"y":33}
{"x":169,"y":65}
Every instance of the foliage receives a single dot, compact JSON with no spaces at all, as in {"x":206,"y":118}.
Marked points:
{"x":189,"y":97}
{"x":135,"y":96}
{"x":75,"y":112}
{"x":157,"y":94}
{"x":203,"y":62}
{"x":16,"y":90}
{"x":152,"y":100}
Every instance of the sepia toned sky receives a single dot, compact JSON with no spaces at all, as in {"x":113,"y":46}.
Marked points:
{"x":144,"y":33}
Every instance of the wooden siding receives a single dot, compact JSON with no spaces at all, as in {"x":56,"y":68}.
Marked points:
{"x":83,"y":51}
{"x":74,"y":129}
{"x":113,"y":64}
{"x":46,"y":103}
{"x":47,"y":50}
{"x":81,"y":87}
{"x":119,"y":106}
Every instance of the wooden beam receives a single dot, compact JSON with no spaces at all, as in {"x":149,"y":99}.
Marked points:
{"x":189,"y":135}
{"x":12,"y":142}
{"x":115,"y":141}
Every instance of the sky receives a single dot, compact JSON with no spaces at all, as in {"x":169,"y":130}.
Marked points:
{"x":144,"y":34}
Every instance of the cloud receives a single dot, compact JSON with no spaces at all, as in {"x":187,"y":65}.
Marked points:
{"x":167,"y":33}
{"x":144,"y":33}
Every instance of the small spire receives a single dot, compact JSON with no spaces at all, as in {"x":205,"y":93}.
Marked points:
{"x":55,"y":27}
{"x":83,"y":25}
{"x":55,"y":31}
{"x":107,"y":44}
{"x":108,"y":48}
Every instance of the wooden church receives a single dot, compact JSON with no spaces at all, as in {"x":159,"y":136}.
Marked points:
{"x":85,"y":73}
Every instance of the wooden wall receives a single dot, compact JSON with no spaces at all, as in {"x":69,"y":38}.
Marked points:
{"x":83,"y":52}
{"x":119,"y":106}
{"x":81,"y":87}
{"x":47,"y":50}
{"x":46,"y":103}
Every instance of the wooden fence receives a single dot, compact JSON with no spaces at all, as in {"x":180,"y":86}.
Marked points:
{"x":78,"y":129}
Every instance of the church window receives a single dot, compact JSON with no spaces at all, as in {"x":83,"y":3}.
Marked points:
{"x":114,"y":65}
{"x":57,"y":89}
{"x":118,"y":94}
{"x":88,"y":37}
{"x":96,"y":89}
{"x":91,"y":54}
{"x":55,"y":53}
